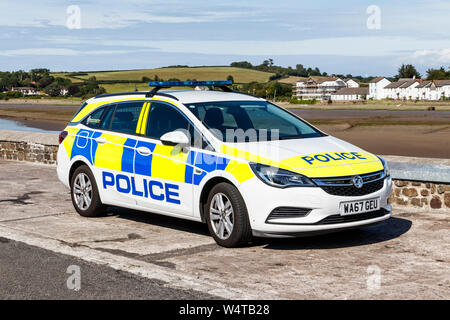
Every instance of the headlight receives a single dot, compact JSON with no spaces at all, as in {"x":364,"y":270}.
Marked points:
{"x":280,"y":178}
{"x":387,"y":172}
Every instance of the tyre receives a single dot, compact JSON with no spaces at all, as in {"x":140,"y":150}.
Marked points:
{"x":227,"y":217}
{"x":84,"y":193}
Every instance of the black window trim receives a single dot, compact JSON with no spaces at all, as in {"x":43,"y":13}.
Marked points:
{"x":184,"y":116}
{"x":115,"y":104}
{"x":101,"y":118}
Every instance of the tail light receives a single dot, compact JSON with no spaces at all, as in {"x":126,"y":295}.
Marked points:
{"x":62,"y":136}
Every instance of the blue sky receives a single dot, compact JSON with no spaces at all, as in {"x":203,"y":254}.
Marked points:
{"x":135,"y":34}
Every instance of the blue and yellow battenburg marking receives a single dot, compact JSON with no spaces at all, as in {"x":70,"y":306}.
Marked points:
{"x":153,"y":189}
{"x":164,"y":162}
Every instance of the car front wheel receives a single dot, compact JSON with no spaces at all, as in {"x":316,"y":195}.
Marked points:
{"x":227,"y":217}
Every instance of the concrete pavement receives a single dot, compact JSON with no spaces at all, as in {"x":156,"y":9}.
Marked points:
{"x":406,"y":257}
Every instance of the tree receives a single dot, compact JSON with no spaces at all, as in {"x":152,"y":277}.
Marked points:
{"x":63,"y":82}
{"x":230,"y":78}
{"x":73,"y":89}
{"x":242,"y":64}
{"x":53,"y":89}
{"x":408,"y":71}
{"x":438,"y":74}
{"x":45,"y":82}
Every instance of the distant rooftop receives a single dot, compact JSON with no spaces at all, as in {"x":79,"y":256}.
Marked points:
{"x":352,"y":91}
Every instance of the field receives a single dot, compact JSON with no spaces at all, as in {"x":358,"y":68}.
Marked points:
{"x":182,"y":73}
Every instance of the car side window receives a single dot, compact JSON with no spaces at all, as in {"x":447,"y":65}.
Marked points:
{"x":106,"y":122}
{"x":126,"y":117}
{"x":163,"y":118}
{"x":95,"y":118}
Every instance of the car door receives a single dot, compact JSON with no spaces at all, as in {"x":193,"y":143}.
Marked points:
{"x":115,"y":150}
{"x":163,"y":172}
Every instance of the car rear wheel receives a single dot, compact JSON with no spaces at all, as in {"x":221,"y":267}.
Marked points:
{"x":227,"y":217}
{"x":84,"y":193}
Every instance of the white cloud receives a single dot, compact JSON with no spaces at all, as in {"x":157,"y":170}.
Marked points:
{"x":368,"y":46}
{"x":436,"y":56}
{"x":104,"y":15}
{"x":39,"y":52}
{"x":60,"y":52}
{"x":342,"y":46}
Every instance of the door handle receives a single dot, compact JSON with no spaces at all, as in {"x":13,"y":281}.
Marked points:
{"x":144,"y":151}
{"x":100,"y":140}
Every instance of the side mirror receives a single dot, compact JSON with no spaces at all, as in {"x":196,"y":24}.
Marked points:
{"x":175,"y":138}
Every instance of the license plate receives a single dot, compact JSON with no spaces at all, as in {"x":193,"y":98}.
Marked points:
{"x":360,"y":206}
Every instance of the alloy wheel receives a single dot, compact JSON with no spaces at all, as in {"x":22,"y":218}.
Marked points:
{"x":222,"y":216}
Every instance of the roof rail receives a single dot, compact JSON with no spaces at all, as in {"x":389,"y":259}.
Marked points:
{"x":134,"y":93}
{"x":223,"y":85}
{"x":119,"y":94}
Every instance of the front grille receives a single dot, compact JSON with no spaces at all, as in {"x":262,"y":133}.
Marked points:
{"x":352,"y":218}
{"x":352,"y":191}
{"x":287,"y":213}
{"x":343,"y":186}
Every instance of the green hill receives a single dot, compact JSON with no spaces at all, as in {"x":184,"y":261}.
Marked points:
{"x":240,"y":75}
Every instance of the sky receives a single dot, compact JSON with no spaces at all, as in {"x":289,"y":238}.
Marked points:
{"x":350,"y":36}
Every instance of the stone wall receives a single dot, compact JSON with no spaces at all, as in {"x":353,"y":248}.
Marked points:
{"x":421,"y":195}
{"x":28,"y":151}
{"x":419,"y":183}
{"x":28,"y":146}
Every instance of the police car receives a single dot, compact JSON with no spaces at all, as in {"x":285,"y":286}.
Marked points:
{"x":241,"y":164}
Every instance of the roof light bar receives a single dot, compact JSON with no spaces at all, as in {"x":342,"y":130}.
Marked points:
{"x":189,"y":83}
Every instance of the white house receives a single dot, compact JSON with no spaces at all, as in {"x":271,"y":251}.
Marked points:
{"x":443,"y":88}
{"x":403,"y":89}
{"x":27,"y":91}
{"x":318,"y":88}
{"x":427,"y":91}
{"x":350,"y":94}
{"x":408,"y":90}
{"x":376,"y":88}
{"x":351,"y":83}
{"x":63,"y":91}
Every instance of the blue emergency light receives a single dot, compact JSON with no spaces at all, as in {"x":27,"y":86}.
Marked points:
{"x":189,"y":83}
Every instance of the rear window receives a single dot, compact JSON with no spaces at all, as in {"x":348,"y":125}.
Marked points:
{"x":79,"y":110}
{"x":95,"y":118}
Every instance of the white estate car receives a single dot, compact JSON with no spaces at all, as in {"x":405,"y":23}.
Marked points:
{"x":241,"y":164}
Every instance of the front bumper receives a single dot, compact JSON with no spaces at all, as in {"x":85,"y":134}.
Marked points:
{"x":261,"y":199}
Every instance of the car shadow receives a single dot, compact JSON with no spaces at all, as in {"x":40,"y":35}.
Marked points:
{"x":159,"y":220}
{"x":384,"y":231}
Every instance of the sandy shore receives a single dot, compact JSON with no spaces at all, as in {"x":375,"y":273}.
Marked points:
{"x":44,"y":101}
{"x":405,"y":133}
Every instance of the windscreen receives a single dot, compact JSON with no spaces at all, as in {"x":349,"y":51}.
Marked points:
{"x":245,"y":121}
